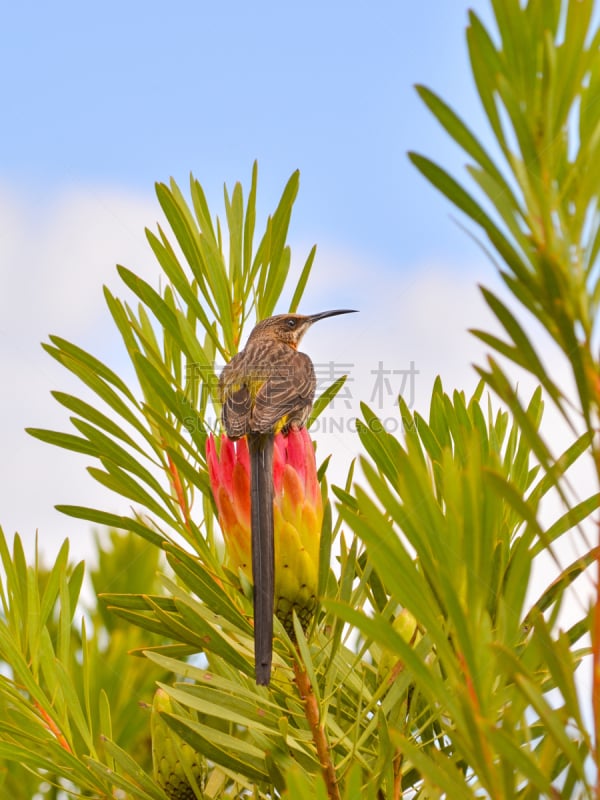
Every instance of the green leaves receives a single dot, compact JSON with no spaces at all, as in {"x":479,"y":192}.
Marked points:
{"x":541,"y":216}
{"x":452,"y":529}
{"x":446,"y":526}
{"x":148,"y":443}
{"x":149,"y":440}
{"x":543,"y":232}
{"x":55,"y":675}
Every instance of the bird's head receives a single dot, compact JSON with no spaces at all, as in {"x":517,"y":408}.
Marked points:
{"x":290,"y":328}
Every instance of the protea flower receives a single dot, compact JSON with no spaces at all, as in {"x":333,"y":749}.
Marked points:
{"x":174,"y":761}
{"x":297,"y":516}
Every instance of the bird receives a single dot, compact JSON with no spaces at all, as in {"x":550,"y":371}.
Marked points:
{"x":267,"y":388}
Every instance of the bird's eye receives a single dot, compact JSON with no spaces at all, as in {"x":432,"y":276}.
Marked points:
{"x":291,"y":323}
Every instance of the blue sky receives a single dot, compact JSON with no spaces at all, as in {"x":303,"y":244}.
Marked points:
{"x":102,"y":100}
{"x":130,"y":93}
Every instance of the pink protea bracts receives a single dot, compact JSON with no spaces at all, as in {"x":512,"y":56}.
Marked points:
{"x":229,"y":473}
{"x":297,"y":514}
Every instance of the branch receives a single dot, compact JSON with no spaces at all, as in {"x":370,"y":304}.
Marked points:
{"x":311,"y":709}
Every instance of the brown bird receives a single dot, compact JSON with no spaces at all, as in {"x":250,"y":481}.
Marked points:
{"x":266,"y":388}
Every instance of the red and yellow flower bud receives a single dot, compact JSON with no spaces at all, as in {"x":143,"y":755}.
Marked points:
{"x":229,"y":473}
{"x":297,"y":517}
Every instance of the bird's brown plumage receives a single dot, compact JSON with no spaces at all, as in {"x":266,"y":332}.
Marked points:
{"x":268,"y":387}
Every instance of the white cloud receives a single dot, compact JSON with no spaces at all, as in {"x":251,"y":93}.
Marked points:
{"x":56,"y":255}
{"x":54,"y":259}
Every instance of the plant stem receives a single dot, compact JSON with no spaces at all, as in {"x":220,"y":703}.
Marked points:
{"x":178,"y":488}
{"x":311,"y":709}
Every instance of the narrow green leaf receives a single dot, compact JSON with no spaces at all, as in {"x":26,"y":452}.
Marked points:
{"x":75,"y":709}
{"x":555,"y":590}
{"x":234,"y":209}
{"x":67,"y":441}
{"x":112,"y":521}
{"x":302,"y":281}
{"x":463,"y":200}
{"x":195,"y":576}
{"x":306,"y":662}
{"x":485,"y":65}
{"x":250,"y":222}
{"x":56,"y":574}
{"x":150,"y":298}
{"x":465,"y":138}
{"x":93,"y":364}
{"x":130,"y":777}
{"x":323,"y":400}
{"x":231,"y":752}
{"x":527,"y":356}
{"x":206,"y":708}
{"x":573,"y":517}
{"x":97,"y":418}
{"x":175,"y":273}
{"x":123,"y":484}
{"x":201,"y":209}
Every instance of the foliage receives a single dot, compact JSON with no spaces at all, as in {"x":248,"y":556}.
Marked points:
{"x":462,"y":499}
{"x":539,"y":85}
{"x":539,"y":88}
{"x":431,"y":670}
{"x":72,"y":716}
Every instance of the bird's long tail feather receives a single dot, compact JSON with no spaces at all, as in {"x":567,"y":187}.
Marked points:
{"x":261,"y":486}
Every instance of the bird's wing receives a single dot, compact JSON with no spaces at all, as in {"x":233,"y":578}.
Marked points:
{"x":237,"y":406}
{"x":286,"y":395}
{"x":237,"y":401}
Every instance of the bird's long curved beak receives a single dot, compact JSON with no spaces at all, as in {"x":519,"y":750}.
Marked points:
{"x":323,"y":314}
